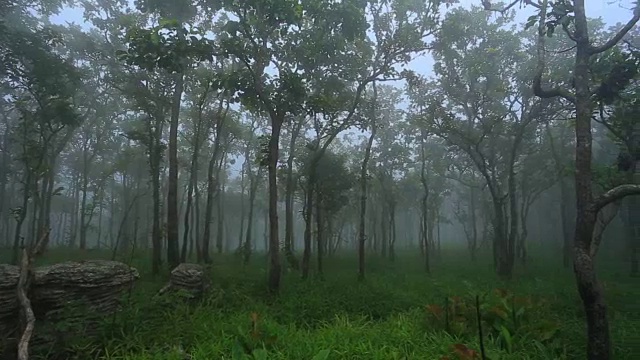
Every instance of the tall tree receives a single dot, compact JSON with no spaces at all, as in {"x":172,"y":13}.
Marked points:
{"x":572,"y":19}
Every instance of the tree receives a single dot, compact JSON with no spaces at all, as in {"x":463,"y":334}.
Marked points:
{"x":364,"y":179}
{"x":486,"y":115}
{"x":43,"y":84}
{"x":279,"y":33}
{"x":283,"y":33}
{"x":572,"y":19}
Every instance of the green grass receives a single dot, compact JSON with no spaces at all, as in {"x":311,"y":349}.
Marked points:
{"x":386,"y":317}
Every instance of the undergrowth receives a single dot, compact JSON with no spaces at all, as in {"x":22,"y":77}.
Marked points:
{"x":399,"y":312}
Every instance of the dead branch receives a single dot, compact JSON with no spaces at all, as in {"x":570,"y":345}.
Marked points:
{"x":28,"y":318}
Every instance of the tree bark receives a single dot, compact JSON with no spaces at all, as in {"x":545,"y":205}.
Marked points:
{"x":173,"y":244}
{"x":363,"y":196}
{"x":308,"y":216}
{"x":274,"y":244}
{"x":290,"y":189}
{"x":424,"y":203}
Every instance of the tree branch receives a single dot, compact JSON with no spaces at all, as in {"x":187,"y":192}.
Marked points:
{"x":28,"y":318}
{"x":617,"y":193}
{"x":537,"y":80}
{"x":617,"y":37}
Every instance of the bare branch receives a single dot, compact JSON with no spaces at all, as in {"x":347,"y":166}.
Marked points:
{"x":617,"y":193}
{"x":617,"y":37}
{"x":487,"y":6}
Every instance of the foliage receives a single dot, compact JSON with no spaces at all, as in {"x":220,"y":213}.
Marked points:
{"x":384,"y":318}
{"x":507,"y":319}
{"x":169,"y":46}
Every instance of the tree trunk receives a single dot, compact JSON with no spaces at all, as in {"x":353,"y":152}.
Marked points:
{"x":384,"y":231}
{"x":474,"y":223}
{"x":193,"y":183}
{"x":253,"y":188}
{"x":308,"y":216}
{"x":320,"y":238}
{"x":392,"y":230}
{"x":274,"y":244}
{"x":242,"y":210}
{"x":156,"y":230}
{"x":74,"y":211}
{"x":173,"y":244}
{"x":424,"y":203}
{"x":220,"y":214}
{"x":363,"y":197}
{"x":83,"y":205}
{"x":21,"y":216}
{"x":208,"y":212}
{"x":290,"y":189}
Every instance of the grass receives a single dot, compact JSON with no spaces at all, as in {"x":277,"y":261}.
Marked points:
{"x":397,"y":313}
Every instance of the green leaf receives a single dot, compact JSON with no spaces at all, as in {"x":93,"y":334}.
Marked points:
{"x":532,"y":20}
{"x":237,"y":352}
{"x":260,"y":354}
{"x":322,"y":355}
{"x":169,"y":23}
{"x":506,"y":336}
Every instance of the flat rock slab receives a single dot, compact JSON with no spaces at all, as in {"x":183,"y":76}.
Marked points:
{"x":97,"y":285}
{"x":190,"y":278}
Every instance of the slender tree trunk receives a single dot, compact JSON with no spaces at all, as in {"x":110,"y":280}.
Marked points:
{"x":290,"y":189}
{"x":86,"y":163}
{"x":198,"y":219}
{"x":320,"y":238}
{"x":100,"y":218}
{"x":156,"y":231}
{"x":74,"y":211}
{"x":220,"y":214}
{"x":242,"y":205}
{"x":362,"y":237}
{"x":392,"y":230}
{"x":112,"y":212}
{"x":424,"y":203}
{"x":21,"y":216}
{"x":193,"y":183}
{"x":564,"y":199}
{"x":474,"y":223}
{"x":252,"y":198}
{"x":173,"y":243}
{"x":208,"y":213}
{"x":211,"y":185}
{"x":384,"y":231}
{"x":187,"y":212}
{"x":308,"y":216}
{"x":274,"y":244}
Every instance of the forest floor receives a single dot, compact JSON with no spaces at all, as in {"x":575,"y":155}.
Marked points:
{"x":399,"y":312}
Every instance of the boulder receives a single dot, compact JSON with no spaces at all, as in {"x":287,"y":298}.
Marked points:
{"x":191,"y":279}
{"x":57,"y":291}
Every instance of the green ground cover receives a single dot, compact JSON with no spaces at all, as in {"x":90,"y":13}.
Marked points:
{"x":399,"y":312}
